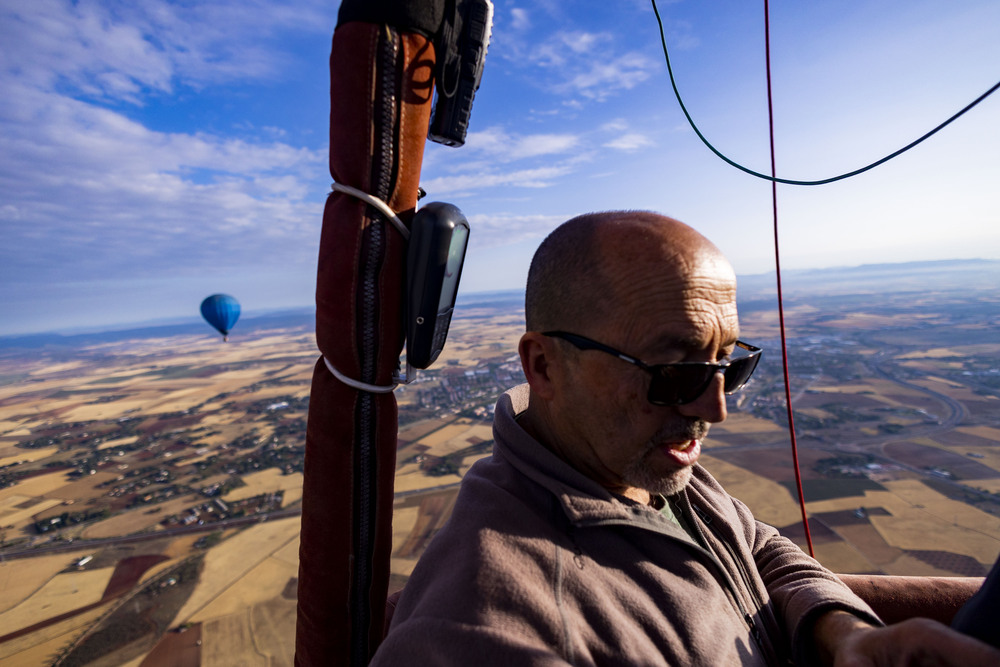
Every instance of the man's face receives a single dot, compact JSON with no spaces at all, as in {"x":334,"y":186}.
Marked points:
{"x":607,"y":427}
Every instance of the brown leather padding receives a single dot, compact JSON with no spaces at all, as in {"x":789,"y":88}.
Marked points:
{"x":896,"y":598}
{"x":893,"y":598}
{"x":369,"y":92}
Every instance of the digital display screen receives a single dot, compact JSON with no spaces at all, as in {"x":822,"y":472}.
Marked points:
{"x":453,"y":267}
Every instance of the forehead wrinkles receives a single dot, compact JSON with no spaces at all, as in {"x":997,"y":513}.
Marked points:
{"x":709,"y":291}
{"x":712,"y":313}
{"x":695,"y":311}
{"x":664,"y":273}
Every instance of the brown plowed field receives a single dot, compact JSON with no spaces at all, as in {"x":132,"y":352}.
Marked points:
{"x":922,"y":456}
{"x":128,"y":572}
{"x":176,"y":649}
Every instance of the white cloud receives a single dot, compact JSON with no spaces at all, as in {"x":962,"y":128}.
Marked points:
{"x":494,"y":230}
{"x":499,"y":144}
{"x":603,"y":77}
{"x":89,"y":192}
{"x":157,"y":223}
{"x":563,"y":63}
{"x":497,"y":157}
{"x":519,"y":19}
{"x":539,"y":177}
{"x":557,"y":51}
{"x":49,"y":42}
{"x":630,"y":141}
{"x":624,"y":138}
{"x":118,"y":49}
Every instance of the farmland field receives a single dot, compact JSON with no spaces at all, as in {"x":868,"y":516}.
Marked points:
{"x":183,"y":455}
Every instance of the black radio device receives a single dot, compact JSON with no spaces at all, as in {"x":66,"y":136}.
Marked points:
{"x":439,"y":235}
{"x":461,"y":53}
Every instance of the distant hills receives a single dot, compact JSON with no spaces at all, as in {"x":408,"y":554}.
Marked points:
{"x":755,"y":291}
{"x":942,"y":275}
{"x":293,"y":317}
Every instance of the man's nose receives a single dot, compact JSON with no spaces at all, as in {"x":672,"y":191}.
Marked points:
{"x":711,"y":405}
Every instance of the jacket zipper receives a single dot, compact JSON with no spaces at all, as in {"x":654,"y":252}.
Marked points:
{"x":747,"y":582}
{"x":373,"y":244}
{"x":727,"y":581}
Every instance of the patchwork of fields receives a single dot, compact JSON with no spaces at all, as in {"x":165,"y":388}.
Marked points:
{"x":151,"y":487}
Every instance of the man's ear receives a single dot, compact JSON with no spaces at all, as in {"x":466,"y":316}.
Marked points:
{"x":538,"y":353}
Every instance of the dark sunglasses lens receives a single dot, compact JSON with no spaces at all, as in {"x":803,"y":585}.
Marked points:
{"x":679,"y":384}
{"x":738,"y":373}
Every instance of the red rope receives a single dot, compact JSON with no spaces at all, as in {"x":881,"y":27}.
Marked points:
{"x":777,"y":268}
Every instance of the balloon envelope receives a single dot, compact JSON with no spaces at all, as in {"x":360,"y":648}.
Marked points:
{"x":221,"y":311}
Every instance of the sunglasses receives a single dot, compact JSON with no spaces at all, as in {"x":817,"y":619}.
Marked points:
{"x":682,"y":382}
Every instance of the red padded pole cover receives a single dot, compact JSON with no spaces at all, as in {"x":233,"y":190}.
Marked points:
{"x":380,"y":90}
{"x":897,"y":598}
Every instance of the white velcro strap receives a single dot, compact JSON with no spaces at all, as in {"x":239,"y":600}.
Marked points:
{"x":363,"y":386}
{"x":377,"y":203}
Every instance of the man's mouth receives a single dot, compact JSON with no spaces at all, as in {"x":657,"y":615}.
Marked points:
{"x":683,"y":453}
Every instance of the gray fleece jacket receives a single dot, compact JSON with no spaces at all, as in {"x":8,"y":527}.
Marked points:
{"x":539,"y":565}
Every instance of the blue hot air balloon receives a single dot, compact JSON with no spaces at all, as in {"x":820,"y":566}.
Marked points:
{"x":221,"y":311}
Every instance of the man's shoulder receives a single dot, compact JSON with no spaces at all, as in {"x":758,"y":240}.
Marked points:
{"x":501,"y":529}
{"x":498,"y":517}
{"x":496,"y":497}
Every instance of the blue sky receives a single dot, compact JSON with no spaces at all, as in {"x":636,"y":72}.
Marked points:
{"x":152,"y":153}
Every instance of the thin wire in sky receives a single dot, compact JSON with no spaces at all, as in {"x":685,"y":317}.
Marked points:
{"x":789,"y":181}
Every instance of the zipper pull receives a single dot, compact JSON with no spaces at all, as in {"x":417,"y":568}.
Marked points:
{"x":754,"y":631}
{"x":707,"y":520}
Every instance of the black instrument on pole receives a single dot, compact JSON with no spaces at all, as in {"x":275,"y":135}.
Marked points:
{"x":462,"y":45}
{"x":439,"y":235}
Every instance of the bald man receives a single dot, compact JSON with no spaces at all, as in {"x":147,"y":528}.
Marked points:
{"x":592,"y":536}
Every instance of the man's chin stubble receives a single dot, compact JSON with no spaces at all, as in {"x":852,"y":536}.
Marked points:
{"x":640,"y":475}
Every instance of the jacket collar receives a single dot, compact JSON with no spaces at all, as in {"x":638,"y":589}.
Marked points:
{"x":584,"y":501}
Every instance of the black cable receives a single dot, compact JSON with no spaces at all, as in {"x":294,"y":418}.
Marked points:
{"x":788,"y":181}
